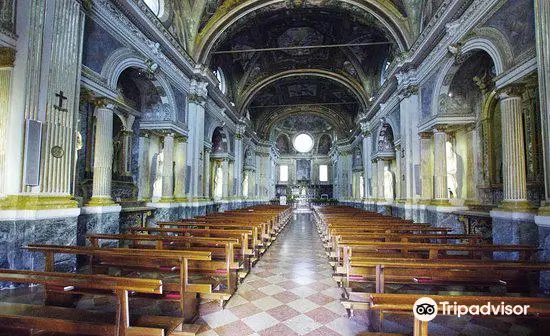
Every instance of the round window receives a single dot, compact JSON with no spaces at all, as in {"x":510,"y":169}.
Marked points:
{"x":303,"y":143}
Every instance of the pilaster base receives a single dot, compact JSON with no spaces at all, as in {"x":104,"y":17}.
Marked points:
{"x":544,"y":209}
{"x":36,"y":202}
{"x":516,"y":206}
{"x":440,"y":202}
{"x":100,"y":202}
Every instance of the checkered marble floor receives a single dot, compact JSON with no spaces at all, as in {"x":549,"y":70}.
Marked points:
{"x":290,"y":291}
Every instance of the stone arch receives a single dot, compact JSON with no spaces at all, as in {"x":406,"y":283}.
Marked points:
{"x":500,"y":53}
{"x":125,"y":58}
{"x":352,"y":86}
{"x":227,"y":16}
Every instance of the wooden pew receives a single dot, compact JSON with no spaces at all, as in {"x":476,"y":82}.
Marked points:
{"x":222,"y":265}
{"x":444,"y":272}
{"x":83,"y":322}
{"x":171,"y":266}
{"x":404,"y":303}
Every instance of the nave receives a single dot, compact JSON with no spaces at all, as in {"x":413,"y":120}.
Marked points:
{"x":290,"y":291}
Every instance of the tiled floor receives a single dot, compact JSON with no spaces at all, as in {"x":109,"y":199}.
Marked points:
{"x":290,"y":291}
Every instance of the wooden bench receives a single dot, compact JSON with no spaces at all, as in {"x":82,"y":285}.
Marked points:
{"x":171,"y":266}
{"x":222,"y":265}
{"x":443,"y":272}
{"x":83,"y":322}
{"x":404,"y":303}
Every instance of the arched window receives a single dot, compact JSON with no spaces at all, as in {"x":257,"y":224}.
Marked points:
{"x":156,"y":6}
{"x":221,"y":79}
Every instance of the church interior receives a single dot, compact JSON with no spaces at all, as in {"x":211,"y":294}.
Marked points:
{"x":281,"y":167}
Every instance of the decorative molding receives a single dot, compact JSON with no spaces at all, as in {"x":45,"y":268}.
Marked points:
{"x":7,"y":56}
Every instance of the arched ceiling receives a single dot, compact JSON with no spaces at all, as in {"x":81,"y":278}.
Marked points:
{"x":252,"y":42}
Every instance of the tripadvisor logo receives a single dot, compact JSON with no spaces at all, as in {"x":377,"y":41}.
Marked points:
{"x":426,"y":309}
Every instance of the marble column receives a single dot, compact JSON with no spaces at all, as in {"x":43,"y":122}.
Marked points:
{"x":426,"y":166}
{"x":206,"y":173}
{"x":367,"y":143}
{"x":144,"y":176}
{"x":513,"y":151}
{"x":225,"y":187}
{"x":168,"y":169}
{"x":542,"y":24}
{"x":441,"y":194}
{"x":374,"y":180}
{"x":103,"y":155}
{"x":180,"y":166}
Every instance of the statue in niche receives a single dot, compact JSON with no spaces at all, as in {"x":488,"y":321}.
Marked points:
{"x":157,"y":182}
{"x":245,"y":185}
{"x":389,"y":181}
{"x":218,"y":182}
{"x":452,"y":183}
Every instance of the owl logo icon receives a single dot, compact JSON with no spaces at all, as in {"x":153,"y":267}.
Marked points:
{"x":425,"y":309}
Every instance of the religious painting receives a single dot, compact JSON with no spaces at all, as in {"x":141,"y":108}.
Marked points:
{"x":303,"y":169}
{"x":283,"y":144}
{"x":324,"y":144}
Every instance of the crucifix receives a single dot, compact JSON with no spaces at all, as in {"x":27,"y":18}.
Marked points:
{"x":61,"y":97}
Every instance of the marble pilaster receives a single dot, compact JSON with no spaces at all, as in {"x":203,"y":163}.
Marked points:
{"x":5,"y":85}
{"x":374,"y":180}
{"x":225,"y":184}
{"x":238,"y":166}
{"x":206,"y":173}
{"x":381,"y":188}
{"x":103,"y":155}
{"x":180,"y":166}
{"x":441,"y":194}
{"x":144,"y":177}
{"x":367,"y":145}
{"x":168,"y":169}
{"x":426,"y":165}
{"x":197,"y":102}
{"x":398,"y":172}
{"x":513,"y":151}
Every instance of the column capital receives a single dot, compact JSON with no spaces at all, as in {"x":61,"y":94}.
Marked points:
{"x":440,"y":129}
{"x":181,"y":138}
{"x":511,"y":91}
{"x":207,"y":149}
{"x":103,"y":103}
{"x":144,"y":133}
{"x":7,"y":56}
{"x":425,"y":135}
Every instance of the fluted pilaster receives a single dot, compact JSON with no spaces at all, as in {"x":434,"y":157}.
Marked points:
{"x":513,"y":150}
{"x":103,"y":156}
{"x":441,"y":194}
{"x":542,"y":24}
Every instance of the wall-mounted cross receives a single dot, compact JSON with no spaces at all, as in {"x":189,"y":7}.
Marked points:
{"x":61,"y":99}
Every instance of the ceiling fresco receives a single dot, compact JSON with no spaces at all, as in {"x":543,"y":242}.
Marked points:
{"x":268,"y":41}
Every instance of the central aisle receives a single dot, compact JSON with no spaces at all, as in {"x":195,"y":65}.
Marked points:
{"x":290,"y":291}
